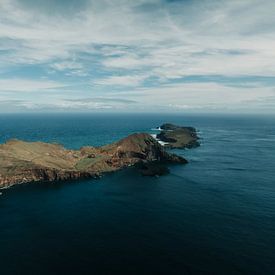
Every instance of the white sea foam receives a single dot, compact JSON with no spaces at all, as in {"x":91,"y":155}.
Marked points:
{"x":159,"y":141}
{"x":162,"y":143}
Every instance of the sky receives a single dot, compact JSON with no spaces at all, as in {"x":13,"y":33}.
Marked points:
{"x":137,"y":56}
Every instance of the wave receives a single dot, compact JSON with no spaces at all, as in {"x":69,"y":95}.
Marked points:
{"x":236,"y":169}
{"x":265,"y":139}
{"x":159,"y":141}
{"x":162,"y":142}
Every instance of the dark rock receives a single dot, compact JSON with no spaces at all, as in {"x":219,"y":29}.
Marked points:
{"x":153,"y":169}
{"x":178,"y":136}
{"x":172,"y":127}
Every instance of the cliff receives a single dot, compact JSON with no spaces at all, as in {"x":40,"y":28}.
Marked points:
{"x":24,"y":162}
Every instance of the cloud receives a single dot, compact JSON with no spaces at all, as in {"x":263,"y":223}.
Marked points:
{"x":103,"y":100}
{"x":204,"y":96}
{"x":126,"y":80}
{"x":59,"y":104}
{"x":66,"y":65}
{"x":27,"y":85}
{"x":134,"y":46}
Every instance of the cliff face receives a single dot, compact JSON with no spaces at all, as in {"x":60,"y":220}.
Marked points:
{"x":138,"y":147}
{"x":23,"y":162}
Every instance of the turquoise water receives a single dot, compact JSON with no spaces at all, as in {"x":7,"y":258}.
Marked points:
{"x":215,"y":215}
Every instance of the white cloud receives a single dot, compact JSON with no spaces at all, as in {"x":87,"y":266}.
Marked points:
{"x":127,"y":80}
{"x":122,"y":43}
{"x":169,"y":39}
{"x":203,"y":96}
{"x":24,"y":85}
{"x":66,"y":65}
{"x":59,"y":104}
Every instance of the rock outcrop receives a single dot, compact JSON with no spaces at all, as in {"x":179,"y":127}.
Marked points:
{"x":24,"y":162}
{"x":177,"y":136}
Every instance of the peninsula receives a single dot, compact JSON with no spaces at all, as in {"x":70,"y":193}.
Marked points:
{"x":25,"y":162}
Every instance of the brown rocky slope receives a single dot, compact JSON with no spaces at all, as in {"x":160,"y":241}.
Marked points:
{"x":24,"y":162}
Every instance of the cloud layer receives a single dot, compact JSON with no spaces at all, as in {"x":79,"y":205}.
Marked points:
{"x":162,"y":55}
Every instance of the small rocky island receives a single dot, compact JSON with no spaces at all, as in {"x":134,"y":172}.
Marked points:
{"x":25,"y":162}
{"x":180,"y":137}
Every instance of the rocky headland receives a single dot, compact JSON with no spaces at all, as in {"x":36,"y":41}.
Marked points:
{"x":25,"y":162}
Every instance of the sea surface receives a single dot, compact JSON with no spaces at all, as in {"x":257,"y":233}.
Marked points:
{"x":215,"y":215}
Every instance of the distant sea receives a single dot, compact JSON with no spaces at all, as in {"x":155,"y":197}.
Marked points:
{"x":215,"y":215}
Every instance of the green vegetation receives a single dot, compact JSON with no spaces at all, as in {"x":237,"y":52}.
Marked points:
{"x":85,"y":163}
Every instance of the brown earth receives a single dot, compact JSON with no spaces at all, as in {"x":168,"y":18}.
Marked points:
{"x":24,"y":162}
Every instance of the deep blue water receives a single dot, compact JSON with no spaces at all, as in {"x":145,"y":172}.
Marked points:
{"x":215,"y":215}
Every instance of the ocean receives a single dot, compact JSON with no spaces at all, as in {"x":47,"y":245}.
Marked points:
{"x":215,"y":215}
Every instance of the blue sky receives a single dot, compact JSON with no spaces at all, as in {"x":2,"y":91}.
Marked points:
{"x":141,"y":56}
